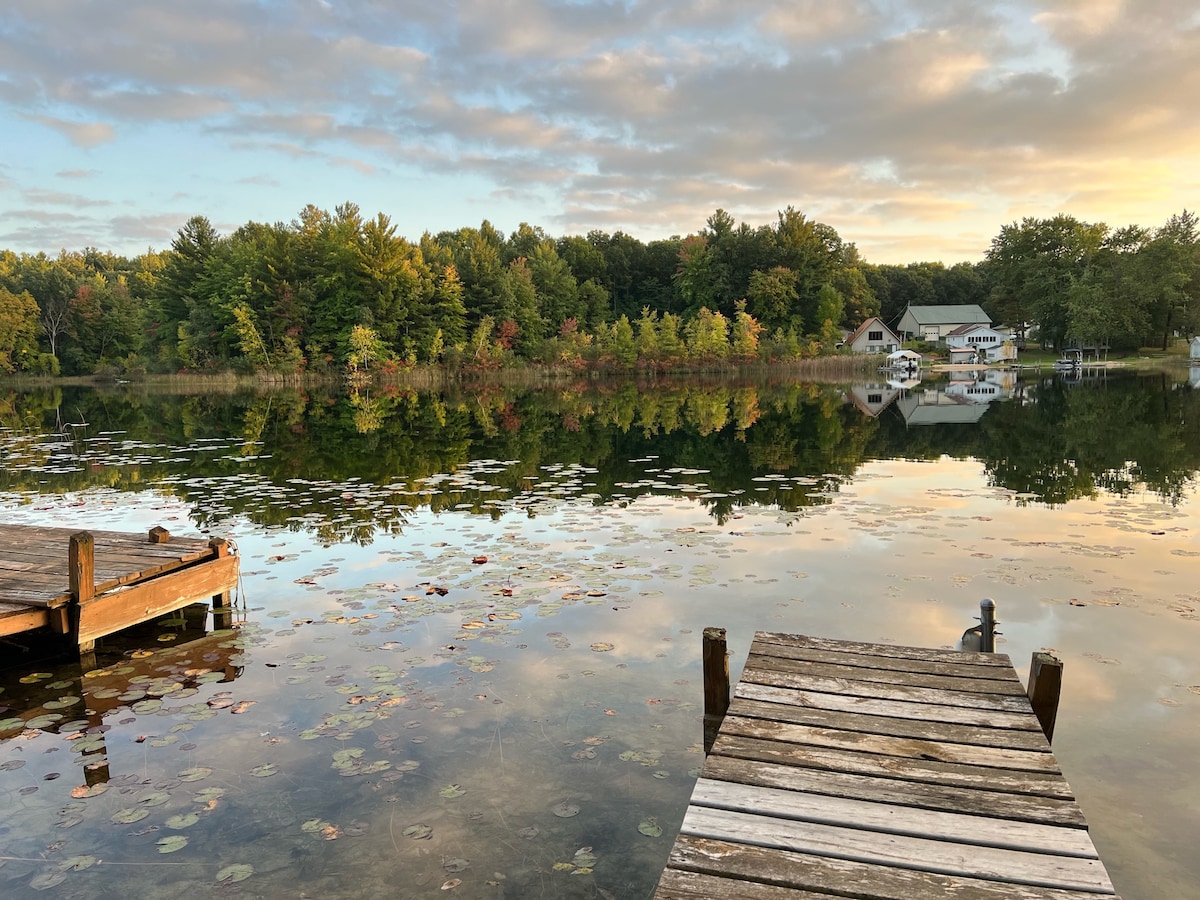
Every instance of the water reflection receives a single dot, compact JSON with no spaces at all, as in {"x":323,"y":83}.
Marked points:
{"x":471,"y":648}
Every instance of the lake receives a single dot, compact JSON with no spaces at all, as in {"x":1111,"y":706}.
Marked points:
{"x":466,"y":655}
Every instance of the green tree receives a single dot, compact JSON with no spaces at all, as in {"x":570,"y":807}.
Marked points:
{"x":18,"y":331}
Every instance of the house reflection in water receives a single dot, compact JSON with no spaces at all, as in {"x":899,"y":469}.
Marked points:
{"x":963,"y":398}
{"x":873,"y":397}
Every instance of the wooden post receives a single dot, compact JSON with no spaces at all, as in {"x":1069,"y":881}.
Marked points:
{"x":158,"y":535}
{"x":716,"y":684}
{"x":81,"y":563}
{"x":987,"y":625}
{"x":716,"y":673}
{"x":1045,"y":687}
{"x":222,"y":604}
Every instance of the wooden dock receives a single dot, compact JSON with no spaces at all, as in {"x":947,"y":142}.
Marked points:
{"x":846,"y":769}
{"x":88,"y":584}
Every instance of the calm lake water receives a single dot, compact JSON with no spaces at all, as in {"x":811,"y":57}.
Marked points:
{"x":467,"y":653}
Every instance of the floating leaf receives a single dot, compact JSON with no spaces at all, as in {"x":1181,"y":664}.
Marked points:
{"x":183,"y":820}
{"x":129,"y":815}
{"x":196,"y":773}
{"x":452,"y":791}
{"x":47,"y":880}
{"x":602,"y":646}
{"x":77,"y":863}
{"x":566,"y":809}
{"x":418,"y":832}
{"x":235,"y":873}
{"x":451,"y":884}
{"x":89,"y":790}
{"x":208,"y":795}
{"x":312,"y":826}
{"x":650,"y":827}
{"x":171,"y":843}
{"x":44,"y":721}
{"x":155,"y":798}
{"x":266,"y":770}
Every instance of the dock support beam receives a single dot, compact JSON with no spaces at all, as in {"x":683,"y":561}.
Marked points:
{"x":716,"y":683}
{"x":1045,"y":688}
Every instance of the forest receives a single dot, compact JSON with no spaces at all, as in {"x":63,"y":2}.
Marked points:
{"x":341,"y":294}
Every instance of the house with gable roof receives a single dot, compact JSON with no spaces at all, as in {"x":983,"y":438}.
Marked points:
{"x":989,"y":344}
{"x":933,"y":323}
{"x":872,"y":336}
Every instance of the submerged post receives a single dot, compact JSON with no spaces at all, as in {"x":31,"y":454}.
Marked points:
{"x":1045,"y":688}
{"x":987,"y":625}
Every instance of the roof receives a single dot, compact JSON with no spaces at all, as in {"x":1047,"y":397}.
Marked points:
{"x":904,"y":354}
{"x":950,"y":315}
{"x":861,"y":329}
{"x":968,"y":328}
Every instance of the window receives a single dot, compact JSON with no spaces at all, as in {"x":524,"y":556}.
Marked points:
{"x":874,"y":335}
{"x":874,"y":398}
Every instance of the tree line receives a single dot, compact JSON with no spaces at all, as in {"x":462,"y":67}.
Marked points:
{"x":339,"y":292}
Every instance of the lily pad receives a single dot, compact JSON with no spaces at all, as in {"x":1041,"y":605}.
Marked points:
{"x":418,"y":832}
{"x":566,"y":809}
{"x":266,"y":770}
{"x":451,"y":791}
{"x":89,"y":790}
{"x":171,"y":843}
{"x":47,"y":880}
{"x":77,"y":863}
{"x":650,"y":827}
{"x":130,"y":814}
{"x":183,"y":820}
{"x":196,"y":773}
{"x":235,"y":873}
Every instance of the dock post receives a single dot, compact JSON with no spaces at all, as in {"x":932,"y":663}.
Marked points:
{"x":716,"y":683}
{"x":222,"y":604}
{"x":81,"y":563}
{"x":987,"y":625}
{"x":1045,"y":688}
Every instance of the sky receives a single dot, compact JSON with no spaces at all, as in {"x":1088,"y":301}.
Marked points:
{"x":916,"y":128}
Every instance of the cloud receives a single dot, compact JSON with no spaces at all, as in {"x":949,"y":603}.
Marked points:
{"x":77,"y":173}
{"x":920,"y":115}
{"x":82,"y":134}
{"x":41,"y":197}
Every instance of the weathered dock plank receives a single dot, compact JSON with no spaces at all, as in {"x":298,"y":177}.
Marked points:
{"x":874,"y":771}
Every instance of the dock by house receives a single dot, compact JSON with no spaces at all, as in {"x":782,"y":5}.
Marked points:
{"x":846,"y":769}
{"x":88,"y":584}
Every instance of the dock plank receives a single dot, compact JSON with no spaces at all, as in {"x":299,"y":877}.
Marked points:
{"x":850,"y":769}
{"x":735,"y":861}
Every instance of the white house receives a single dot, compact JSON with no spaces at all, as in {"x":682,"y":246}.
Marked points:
{"x":872,"y":336}
{"x":1195,"y":345}
{"x":932,"y":323}
{"x":990,"y":344}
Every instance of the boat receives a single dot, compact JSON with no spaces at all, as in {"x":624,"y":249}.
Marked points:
{"x":902,"y":361}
